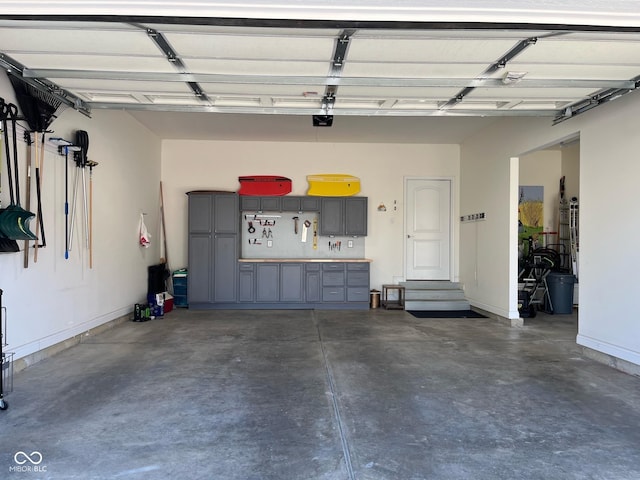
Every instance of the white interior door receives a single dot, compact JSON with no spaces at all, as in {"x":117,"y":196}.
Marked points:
{"x":428,"y":229}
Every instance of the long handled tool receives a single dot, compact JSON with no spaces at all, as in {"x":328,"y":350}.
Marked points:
{"x":164,"y":228}
{"x":39,"y":219}
{"x":91,"y":164}
{"x":66,"y":203}
{"x":77,"y":160}
{"x":82,"y":139}
{"x":80,"y":158}
{"x":7,"y":245}
{"x":14,"y":220}
{"x":64,"y":147}
{"x":27,"y":202}
{"x":3,"y":403}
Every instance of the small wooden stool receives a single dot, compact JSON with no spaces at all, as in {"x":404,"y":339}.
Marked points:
{"x":393,"y":304}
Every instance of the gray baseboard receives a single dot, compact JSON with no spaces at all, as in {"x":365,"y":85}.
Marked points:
{"x":28,"y":360}
{"x":611,"y":361}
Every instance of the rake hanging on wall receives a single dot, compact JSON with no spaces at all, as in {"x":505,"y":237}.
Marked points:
{"x":39,"y":109}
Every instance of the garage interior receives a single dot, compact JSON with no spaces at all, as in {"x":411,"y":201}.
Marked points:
{"x":191,"y":100}
{"x":320,"y":394}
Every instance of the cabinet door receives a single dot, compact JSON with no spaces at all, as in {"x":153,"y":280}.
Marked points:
{"x":270,"y":204}
{"x":331,"y":216}
{"x":291,"y":286}
{"x":267,"y":282}
{"x":199,"y":281}
{"x":225,"y":267}
{"x":248,"y":203}
{"x":312,"y":286}
{"x":200,"y":212}
{"x":291,"y":204}
{"x":227,"y":214}
{"x":246,"y":281}
{"x":355,"y":216}
{"x":310,"y":204}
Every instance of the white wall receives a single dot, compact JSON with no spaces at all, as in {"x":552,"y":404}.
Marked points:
{"x":214,"y":165}
{"x":55,"y":299}
{"x":608,"y":200}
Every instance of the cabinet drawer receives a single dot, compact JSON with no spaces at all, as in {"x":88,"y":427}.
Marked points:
{"x":333,"y":267}
{"x":247,"y":267}
{"x":312,"y":267}
{"x":333,"y":279}
{"x":358,"y":267}
{"x":333,"y":294}
{"x":358,"y":294}
{"x":358,"y":279}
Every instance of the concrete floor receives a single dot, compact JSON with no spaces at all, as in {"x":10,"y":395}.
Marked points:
{"x":303,"y":395}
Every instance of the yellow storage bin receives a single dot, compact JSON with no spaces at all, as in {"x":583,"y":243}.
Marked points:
{"x":333,"y":185}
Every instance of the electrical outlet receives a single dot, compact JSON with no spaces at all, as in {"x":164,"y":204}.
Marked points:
{"x":350,"y":244}
{"x":269,"y":243}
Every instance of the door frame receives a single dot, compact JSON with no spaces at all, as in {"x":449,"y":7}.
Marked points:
{"x":452,"y":210}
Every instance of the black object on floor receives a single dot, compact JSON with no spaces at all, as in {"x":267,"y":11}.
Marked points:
{"x":445,"y":314}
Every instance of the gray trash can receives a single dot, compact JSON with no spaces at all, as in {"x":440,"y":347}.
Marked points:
{"x":561,"y":292}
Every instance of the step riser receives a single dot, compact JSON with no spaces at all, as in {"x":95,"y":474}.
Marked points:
{"x":440,"y":305}
{"x":430,"y":285}
{"x":434,"y":295}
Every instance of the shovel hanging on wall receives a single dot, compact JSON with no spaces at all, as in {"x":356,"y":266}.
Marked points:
{"x":6,"y":245}
{"x":14,"y":220}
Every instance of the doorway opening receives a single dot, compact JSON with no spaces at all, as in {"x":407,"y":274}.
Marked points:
{"x":547,"y":241}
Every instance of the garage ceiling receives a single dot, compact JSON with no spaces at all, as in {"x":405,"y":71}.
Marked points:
{"x":368,"y":69}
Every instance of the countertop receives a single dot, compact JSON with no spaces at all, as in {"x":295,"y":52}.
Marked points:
{"x":306,"y":260}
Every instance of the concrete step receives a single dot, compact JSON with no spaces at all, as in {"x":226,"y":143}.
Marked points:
{"x":434,"y":295}
{"x":430,"y":285}
{"x":436,"y":305}
{"x":445,"y":294}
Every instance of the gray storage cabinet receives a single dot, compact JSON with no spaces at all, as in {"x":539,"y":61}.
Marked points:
{"x":286,"y":203}
{"x":291,"y":282}
{"x":358,"y":282}
{"x":246,"y":282}
{"x":303,"y":285}
{"x":333,"y":283}
{"x":300,"y":204}
{"x":279,"y":282}
{"x":355,"y":216}
{"x":267,"y":282}
{"x":213,"y":248}
{"x":312,"y":282}
{"x":260,"y":204}
{"x":343,"y":216}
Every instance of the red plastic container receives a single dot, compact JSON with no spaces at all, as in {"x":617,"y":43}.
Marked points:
{"x":264,"y":185}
